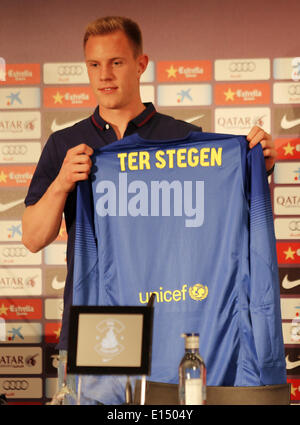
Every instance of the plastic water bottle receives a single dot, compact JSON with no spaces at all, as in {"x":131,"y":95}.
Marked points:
{"x":192,"y":373}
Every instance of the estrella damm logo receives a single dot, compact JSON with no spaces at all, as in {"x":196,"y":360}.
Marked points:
{"x":196,"y":292}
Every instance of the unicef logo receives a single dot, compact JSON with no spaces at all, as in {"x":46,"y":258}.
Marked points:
{"x":198,"y":292}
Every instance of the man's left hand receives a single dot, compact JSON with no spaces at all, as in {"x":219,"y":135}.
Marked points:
{"x":258,"y":135}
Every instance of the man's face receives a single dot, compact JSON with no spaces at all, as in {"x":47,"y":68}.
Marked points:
{"x":113,"y":70}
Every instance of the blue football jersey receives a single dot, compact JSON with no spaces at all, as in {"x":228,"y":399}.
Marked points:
{"x":191,"y":220}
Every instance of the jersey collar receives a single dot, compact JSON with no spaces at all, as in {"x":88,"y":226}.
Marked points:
{"x":138,"y":121}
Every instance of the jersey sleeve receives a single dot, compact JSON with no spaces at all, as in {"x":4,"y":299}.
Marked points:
{"x":46,"y":171}
{"x":264,"y":293}
{"x":86,"y":274}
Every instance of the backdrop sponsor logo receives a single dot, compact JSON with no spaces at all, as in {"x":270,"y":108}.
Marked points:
{"x":19,"y":152}
{"x":20,"y":98}
{"x":12,"y":203}
{"x":69,"y":97}
{"x":148,"y":75}
{"x":242,"y":69}
{"x":20,"y":125}
{"x":20,"y":309}
{"x":22,"y":333}
{"x":147,"y":93}
{"x":286,"y":92}
{"x":291,"y":331}
{"x":287,"y":228}
{"x":21,"y":360}
{"x":284,"y":68}
{"x":184,"y":71}
{"x":54,"y":120}
{"x":287,"y":201}
{"x":21,"y":387}
{"x":292,"y":359}
{"x":55,"y":281}
{"x":289,"y":280}
{"x":184,"y":95}
{"x":242,"y":94}
{"x":54,"y":308}
{"x":20,"y":282}
{"x":65,"y":73}
{"x":10,"y":231}
{"x":28,"y":73}
{"x":287,"y":148}
{"x":290,"y":307}
{"x":2,"y":69}
{"x":287,"y":120}
{"x":295,"y":388}
{"x":16,"y":176}
{"x":288,"y":252}
{"x":17,"y":254}
{"x":55,"y":254}
{"x":52,"y":332}
{"x":287,"y":173}
{"x":241,"y":120}
{"x":199,"y":117}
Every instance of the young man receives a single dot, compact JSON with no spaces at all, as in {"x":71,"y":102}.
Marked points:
{"x":115,"y":62}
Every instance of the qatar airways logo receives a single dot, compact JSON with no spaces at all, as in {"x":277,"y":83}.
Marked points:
{"x":155,"y":199}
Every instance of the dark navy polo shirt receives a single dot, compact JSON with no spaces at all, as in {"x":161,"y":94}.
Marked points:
{"x":95,"y":132}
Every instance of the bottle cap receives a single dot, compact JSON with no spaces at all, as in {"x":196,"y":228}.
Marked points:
{"x":191,"y":340}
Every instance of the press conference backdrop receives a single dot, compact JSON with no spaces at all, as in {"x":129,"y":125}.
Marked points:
{"x":223,"y":65}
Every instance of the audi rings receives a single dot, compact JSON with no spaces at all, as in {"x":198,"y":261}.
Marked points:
{"x":64,"y":70}
{"x":14,"y":150}
{"x":247,"y":66}
{"x":15,"y":385}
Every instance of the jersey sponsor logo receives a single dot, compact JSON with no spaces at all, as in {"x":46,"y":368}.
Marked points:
{"x":20,"y":125}
{"x":20,"y":98}
{"x":241,"y":120}
{"x":242,"y":69}
{"x":28,"y":73}
{"x":69,"y":97}
{"x":287,"y":148}
{"x":242,"y":94}
{"x":287,"y":173}
{"x":184,"y":95}
{"x":65,"y":73}
{"x":184,"y":71}
{"x":20,"y":309}
{"x":196,"y":292}
{"x":16,"y":176}
{"x":284,"y":93}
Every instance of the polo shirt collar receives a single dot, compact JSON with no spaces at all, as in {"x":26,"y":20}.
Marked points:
{"x":138,"y":121}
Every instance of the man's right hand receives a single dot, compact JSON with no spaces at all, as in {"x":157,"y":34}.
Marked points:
{"x":76,"y":167}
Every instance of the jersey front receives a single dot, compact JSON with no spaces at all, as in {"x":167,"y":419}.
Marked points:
{"x":189,"y":219}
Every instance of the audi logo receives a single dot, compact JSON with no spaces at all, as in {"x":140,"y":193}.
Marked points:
{"x":294,"y":225}
{"x":14,"y":150}
{"x":70,"y":70}
{"x":242,"y":66}
{"x":14,"y":252}
{"x":294,"y":89}
{"x":15,"y":384}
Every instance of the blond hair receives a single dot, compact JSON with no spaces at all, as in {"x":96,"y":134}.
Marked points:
{"x":111,"y":24}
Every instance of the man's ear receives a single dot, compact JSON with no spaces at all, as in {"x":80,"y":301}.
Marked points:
{"x":143,"y":63}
